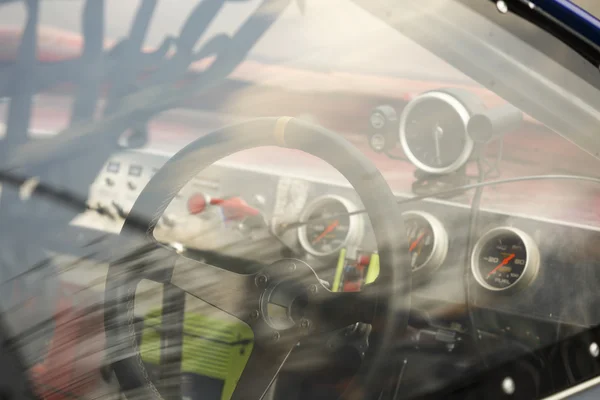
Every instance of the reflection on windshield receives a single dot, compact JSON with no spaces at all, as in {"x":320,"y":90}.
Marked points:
{"x":292,"y":199}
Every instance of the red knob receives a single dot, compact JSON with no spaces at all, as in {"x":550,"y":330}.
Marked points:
{"x":196,"y":203}
{"x":234,"y":208}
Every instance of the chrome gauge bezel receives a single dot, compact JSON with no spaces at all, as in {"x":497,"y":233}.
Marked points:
{"x":464,"y":115}
{"x":355,"y":228}
{"x":532,"y":264}
{"x":440,"y":241}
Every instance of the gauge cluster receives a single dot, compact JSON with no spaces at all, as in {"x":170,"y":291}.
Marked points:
{"x":513,"y":264}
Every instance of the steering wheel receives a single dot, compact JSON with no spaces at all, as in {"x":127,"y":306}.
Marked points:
{"x":313,"y":309}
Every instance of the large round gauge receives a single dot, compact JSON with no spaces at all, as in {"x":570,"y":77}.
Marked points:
{"x":333,"y":229}
{"x":505,"y":258}
{"x":433,"y":132}
{"x":427,"y":240}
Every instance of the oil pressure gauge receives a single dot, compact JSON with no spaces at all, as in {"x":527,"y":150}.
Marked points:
{"x":505,"y":258}
{"x":428,"y":241}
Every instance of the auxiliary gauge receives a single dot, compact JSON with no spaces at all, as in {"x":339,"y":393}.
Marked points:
{"x":333,"y":228}
{"x":427,"y":239}
{"x":433,"y":130}
{"x":505,"y":258}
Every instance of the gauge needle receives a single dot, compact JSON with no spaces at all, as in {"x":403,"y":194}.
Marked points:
{"x":327,"y":230}
{"x":414,"y":244}
{"x":503,"y":263}
{"x":437,"y":133}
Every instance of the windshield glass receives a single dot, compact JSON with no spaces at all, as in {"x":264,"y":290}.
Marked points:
{"x":209,"y":199}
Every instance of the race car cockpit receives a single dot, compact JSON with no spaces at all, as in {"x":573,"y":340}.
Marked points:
{"x":276,"y":199}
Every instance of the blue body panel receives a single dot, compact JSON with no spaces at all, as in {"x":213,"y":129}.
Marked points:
{"x":573,"y":17}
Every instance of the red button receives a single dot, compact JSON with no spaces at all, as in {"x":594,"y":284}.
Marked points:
{"x":196,"y":203}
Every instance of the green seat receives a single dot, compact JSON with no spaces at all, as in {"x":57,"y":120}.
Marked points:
{"x":212,"y":347}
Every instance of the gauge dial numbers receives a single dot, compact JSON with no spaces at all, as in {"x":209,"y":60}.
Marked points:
{"x":333,"y":228}
{"x":427,"y":241}
{"x":505,"y":258}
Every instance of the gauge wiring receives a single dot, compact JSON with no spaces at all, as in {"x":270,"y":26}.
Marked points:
{"x":473,"y":220}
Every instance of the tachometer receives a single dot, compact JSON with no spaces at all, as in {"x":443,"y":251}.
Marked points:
{"x":427,"y":239}
{"x":433,"y":131}
{"x":334,"y":228}
{"x":505,"y":258}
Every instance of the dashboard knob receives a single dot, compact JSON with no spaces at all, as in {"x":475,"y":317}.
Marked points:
{"x":109,"y":182}
{"x":197,"y":203}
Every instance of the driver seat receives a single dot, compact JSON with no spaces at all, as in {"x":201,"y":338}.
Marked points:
{"x":214,"y":353}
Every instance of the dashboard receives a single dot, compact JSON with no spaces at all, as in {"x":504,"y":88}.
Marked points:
{"x":520,"y":285}
{"x":513,"y":265}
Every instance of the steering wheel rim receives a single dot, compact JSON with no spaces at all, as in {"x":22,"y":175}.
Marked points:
{"x":386,"y":302}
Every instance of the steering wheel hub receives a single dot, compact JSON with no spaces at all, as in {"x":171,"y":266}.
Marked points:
{"x":285,"y":301}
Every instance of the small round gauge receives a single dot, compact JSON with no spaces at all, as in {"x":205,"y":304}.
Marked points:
{"x":290,"y":199}
{"x":505,"y":258}
{"x":333,"y":228}
{"x":433,"y":133}
{"x":427,"y":240}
